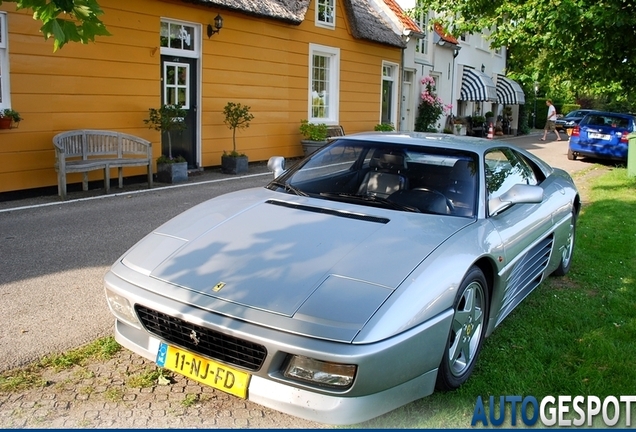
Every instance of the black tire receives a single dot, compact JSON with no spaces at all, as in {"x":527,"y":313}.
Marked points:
{"x":568,"y":250}
{"x":468,"y":329}
{"x":571,"y":155}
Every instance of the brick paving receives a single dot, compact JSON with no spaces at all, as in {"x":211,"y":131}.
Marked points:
{"x":100,"y":394}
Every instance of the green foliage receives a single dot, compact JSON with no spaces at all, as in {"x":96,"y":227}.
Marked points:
{"x":566,"y":108}
{"x":66,"y":20}
{"x":31,"y":376}
{"x":163,"y":159}
{"x":523,"y":128}
{"x":384,"y":127}
{"x":430,"y":108}
{"x":167,"y":119}
{"x":8,"y":112}
{"x":237,"y":116}
{"x":571,"y":47}
{"x":147,"y":378}
{"x":312,"y":131}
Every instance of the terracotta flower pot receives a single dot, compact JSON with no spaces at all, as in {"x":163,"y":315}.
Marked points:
{"x":5,"y":122}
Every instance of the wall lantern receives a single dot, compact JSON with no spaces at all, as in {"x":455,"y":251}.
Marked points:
{"x":483,"y":68}
{"x":218,"y":25}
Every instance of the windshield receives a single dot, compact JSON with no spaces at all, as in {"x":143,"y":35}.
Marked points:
{"x":395,"y":176}
{"x":610,"y":120}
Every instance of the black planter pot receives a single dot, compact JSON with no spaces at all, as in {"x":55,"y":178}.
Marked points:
{"x":172,"y":172}
{"x":234,"y":164}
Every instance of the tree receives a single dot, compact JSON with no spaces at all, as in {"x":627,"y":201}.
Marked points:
{"x":237,"y":116}
{"x":65,"y":20}
{"x":589,"y":46}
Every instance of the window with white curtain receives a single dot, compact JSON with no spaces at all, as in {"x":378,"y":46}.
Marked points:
{"x":326,"y":13}
{"x":324,"y":73}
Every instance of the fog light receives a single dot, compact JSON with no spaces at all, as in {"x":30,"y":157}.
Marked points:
{"x":320,"y":372}
{"x":121,"y":308}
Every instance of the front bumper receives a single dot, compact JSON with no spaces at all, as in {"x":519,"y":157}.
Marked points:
{"x":390,"y":374}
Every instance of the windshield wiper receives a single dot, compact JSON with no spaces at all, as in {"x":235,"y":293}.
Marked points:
{"x":371,"y":198}
{"x":289,"y":188}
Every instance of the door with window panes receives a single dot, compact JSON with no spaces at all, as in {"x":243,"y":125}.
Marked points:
{"x":179,"y":64}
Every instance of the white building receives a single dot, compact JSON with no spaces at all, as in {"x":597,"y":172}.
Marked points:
{"x":468,"y":74}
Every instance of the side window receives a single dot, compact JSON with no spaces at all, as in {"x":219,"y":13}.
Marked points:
{"x":389,"y":103}
{"x":326,"y":13}
{"x":504,"y":169}
{"x":324,"y":63}
{"x":5,"y":100}
{"x":422,"y":44}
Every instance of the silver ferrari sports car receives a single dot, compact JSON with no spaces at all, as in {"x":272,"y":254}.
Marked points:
{"x":362,"y":278}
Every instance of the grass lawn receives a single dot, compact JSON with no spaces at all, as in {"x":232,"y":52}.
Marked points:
{"x":574,"y":335}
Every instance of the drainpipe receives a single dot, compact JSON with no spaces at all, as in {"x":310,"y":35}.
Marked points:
{"x":453,"y":96}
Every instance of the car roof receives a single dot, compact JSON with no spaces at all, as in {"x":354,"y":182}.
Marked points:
{"x":613,"y":114}
{"x":429,"y":139}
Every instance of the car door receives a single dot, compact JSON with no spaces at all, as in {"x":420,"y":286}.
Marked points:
{"x":524,"y":229}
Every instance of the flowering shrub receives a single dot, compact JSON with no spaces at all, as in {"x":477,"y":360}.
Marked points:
{"x":431,"y":107}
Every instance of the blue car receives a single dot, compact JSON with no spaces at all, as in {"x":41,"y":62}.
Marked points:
{"x":601,"y":135}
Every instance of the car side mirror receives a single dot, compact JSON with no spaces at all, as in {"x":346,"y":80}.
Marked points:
{"x":276,"y":164}
{"x":518,"y":194}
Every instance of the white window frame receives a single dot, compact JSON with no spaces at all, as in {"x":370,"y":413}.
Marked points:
{"x":422,"y":44}
{"x":327,"y":4}
{"x":176,"y":86}
{"x":394,"y":76}
{"x":5,"y":89}
{"x":333,"y":84}
{"x":196,"y":39}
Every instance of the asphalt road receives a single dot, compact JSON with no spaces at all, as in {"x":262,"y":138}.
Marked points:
{"x":53,"y":256}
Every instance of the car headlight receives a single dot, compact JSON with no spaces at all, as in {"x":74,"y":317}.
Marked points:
{"x":122,"y":309}
{"x":319,"y":372}
{"x":570,"y":123}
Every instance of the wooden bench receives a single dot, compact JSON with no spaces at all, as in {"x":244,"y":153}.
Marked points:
{"x":87,"y":150}
{"x":334,"y":131}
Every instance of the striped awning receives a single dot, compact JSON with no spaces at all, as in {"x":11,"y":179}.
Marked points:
{"x":477,"y":86}
{"x":509,"y":92}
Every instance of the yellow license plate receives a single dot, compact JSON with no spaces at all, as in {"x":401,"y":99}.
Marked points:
{"x":203,"y":370}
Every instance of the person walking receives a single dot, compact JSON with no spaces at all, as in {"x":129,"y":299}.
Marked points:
{"x":550,"y":124}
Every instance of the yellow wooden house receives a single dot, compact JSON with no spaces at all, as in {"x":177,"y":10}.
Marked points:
{"x":329,"y":61}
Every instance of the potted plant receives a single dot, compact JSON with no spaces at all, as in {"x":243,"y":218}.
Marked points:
{"x":384,"y":127}
{"x":460,"y":125}
{"x":237,"y":116}
{"x":490,"y":118}
{"x":315,"y":136}
{"x":8,"y":118}
{"x":167,"y":119}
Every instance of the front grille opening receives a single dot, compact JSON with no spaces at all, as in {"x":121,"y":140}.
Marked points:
{"x":201,"y":340}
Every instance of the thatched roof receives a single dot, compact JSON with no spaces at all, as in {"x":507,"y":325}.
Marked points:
{"x":364,"y":21}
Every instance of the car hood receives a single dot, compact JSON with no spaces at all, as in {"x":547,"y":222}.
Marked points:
{"x":292,"y":256}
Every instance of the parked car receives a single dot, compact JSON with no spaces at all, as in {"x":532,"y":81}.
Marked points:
{"x":571,"y":119}
{"x":601,"y":135}
{"x":358,"y":280}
